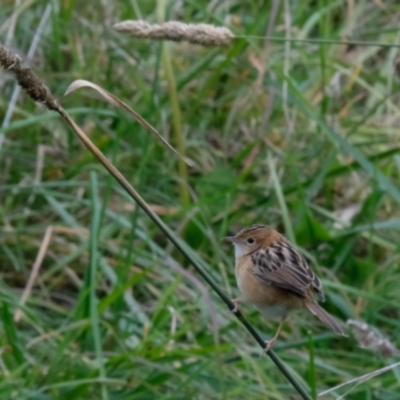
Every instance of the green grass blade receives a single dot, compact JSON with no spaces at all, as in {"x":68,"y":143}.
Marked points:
{"x":94,"y":261}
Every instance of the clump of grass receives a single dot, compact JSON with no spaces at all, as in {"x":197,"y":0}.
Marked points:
{"x":39,"y":92}
{"x":157,"y":337}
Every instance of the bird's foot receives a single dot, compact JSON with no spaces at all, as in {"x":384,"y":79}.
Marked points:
{"x":236,"y":302}
{"x":269,"y":345}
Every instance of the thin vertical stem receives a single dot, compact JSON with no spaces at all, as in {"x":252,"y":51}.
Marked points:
{"x":281,"y":200}
{"x":286,"y":67}
{"x":178,"y":135}
{"x":324,"y":32}
{"x":179,"y":138}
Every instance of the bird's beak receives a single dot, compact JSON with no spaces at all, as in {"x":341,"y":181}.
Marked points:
{"x":230,"y":239}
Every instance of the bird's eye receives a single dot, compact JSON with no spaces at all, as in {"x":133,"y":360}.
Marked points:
{"x":250,"y":240}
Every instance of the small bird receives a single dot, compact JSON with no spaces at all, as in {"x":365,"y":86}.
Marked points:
{"x":273,"y":276}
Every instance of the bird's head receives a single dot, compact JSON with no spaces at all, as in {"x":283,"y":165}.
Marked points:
{"x":251,"y":239}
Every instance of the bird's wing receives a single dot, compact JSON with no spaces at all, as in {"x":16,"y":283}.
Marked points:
{"x":282,"y":265}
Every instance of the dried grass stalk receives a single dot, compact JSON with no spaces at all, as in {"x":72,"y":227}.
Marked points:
{"x":357,"y":381}
{"x":34,"y":272}
{"x":27,"y":79}
{"x":368,"y":339}
{"x":203,"y":34}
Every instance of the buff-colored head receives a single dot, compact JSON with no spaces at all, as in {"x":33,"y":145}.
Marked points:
{"x":251,"y":239}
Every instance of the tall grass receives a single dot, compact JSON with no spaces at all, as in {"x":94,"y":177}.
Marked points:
{"x":109,"y":315}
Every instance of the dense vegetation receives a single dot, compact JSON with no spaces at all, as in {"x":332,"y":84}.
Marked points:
{"x":300,"y":135}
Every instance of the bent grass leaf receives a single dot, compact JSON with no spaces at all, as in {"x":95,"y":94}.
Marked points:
{"x":115,"y":101}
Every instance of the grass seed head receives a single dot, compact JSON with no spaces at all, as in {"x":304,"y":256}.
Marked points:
{"x":26,"y":78}
{"x":202,"y":34}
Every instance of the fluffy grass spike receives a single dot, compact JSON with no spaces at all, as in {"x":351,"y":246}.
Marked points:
{"x":202,"y":34}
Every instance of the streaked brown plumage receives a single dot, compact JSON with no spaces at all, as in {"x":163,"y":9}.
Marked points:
{"x":273,"y":276}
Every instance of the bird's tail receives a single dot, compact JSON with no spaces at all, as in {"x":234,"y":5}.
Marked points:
{"x":326,"y":318}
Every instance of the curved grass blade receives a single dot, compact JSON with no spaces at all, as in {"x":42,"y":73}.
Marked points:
{"x":115,"y":101}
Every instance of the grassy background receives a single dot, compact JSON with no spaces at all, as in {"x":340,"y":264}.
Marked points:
{"x":296,"y":135}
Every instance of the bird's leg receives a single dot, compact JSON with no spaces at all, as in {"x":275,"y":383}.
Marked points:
{"x":271,"y":343}
{"x":236,"y":302}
